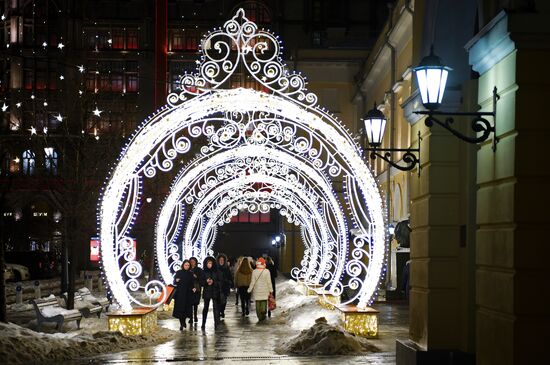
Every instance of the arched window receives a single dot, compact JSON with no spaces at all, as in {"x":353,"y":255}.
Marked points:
{"x":29,"y":162}
{"x":50,"y":160}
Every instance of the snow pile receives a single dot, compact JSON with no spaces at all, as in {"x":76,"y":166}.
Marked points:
{"x":297,"y":310}
{"x":20,"y":345}
{"x":325,"y":339}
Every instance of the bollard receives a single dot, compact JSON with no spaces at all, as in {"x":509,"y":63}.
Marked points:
{"x":19,"y":293}
{"x":90,"y":282}
{"x":37,"y":293}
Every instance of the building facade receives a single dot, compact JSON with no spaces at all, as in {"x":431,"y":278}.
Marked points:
{"x":474,"y":269}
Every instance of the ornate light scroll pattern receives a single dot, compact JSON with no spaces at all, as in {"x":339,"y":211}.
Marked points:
{"x":257,"y":150}
{"x":240,"y":42}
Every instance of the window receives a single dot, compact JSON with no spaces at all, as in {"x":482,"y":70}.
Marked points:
{"x":118,"y":39}
{"x":29,"y":162}
{"x":132,"y":84}
{"x":50,"y":160}
{"x":132,"y":76}
{"x":191,"y":37}
{"x":117,"y":84}
{"x":245,"y":217}
{"x":9,"y":165}
{"x":257,"y":12}
{"x":132,"y":39}
{"x":177,"y":41}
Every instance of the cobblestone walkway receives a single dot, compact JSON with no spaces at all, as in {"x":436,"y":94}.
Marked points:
{"x":243,"y":340}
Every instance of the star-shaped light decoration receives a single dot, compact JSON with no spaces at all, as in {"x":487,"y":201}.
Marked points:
{"x":81,"y":68}
{"x":4,"y":107}
{"x":80,"y":92}
{"x":32,"y":130}
{"x":61,"y":46}
{"x":61,"y":77}
{"x":18,"y":105}
{"x":44,"y":44}
{"x":59,"y":117}
{"x":97,"y":112}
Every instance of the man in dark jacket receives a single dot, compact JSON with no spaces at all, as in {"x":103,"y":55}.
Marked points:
{"x":226,"y":282}
{"x":211,"y":281}
{"x":197,"y":274}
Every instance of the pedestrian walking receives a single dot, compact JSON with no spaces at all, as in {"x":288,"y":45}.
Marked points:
{"x":270,"y":265}
{"x":243,"y":277}
{"x":234,"y":266}
{"x":197,"y":274}
{"x":211,"y":281}
{"x":260,"y":287}
{"x":226,"y":282}
{"x":183,"y":297}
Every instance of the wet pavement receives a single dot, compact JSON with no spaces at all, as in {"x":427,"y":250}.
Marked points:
{"x":244,"y":340}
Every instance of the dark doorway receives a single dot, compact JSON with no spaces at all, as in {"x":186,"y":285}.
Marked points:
{"x":249,"y":237}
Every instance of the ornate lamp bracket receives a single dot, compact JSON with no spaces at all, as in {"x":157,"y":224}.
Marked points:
{"x":479,"y":123}
{"x":411,"y":156}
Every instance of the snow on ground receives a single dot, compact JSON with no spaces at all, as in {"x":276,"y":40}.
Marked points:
{"x":325,"y":339}
{"x":297,"y":310}
{"x":19,"y":345}
{"x":321,"y":334}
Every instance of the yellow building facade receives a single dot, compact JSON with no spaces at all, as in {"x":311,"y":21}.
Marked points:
{"x":476,"y":257}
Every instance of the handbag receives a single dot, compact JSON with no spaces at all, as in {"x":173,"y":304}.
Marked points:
{"x":271,"y":303}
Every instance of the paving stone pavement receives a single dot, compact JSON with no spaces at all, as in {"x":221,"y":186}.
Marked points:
{"x":244,"y":340}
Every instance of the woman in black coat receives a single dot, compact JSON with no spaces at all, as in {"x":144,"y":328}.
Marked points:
{"x":226,"y":282}
{"x":197,"y":274}
{"x":183,"y":297}
{"x":211,"y":281}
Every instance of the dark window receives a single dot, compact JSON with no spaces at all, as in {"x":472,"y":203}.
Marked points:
{"x":117,"y":84}
{"x":191,"y":40}
{"x":132,"y":84}
{"x":118,"y":39}
{"x":177,"y":41}
{"x":132,"y":39}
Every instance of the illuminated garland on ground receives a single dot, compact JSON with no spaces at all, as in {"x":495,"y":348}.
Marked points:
{"x":286,"y":128}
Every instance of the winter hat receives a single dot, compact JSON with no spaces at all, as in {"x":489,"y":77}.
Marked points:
{"x":260,"y":262}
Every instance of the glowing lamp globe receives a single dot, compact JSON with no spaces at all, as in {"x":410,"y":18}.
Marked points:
{"x":375,"y":125}
{"x":431,"y":76}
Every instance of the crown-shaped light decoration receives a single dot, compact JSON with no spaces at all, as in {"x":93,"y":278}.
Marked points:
{"x":240,"y":42}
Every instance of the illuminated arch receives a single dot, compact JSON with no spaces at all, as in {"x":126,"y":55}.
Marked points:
{"x":282,"y":121}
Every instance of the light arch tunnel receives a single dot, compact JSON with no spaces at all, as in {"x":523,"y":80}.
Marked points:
{"x":233,"y":190}
{"x":245,"y":125}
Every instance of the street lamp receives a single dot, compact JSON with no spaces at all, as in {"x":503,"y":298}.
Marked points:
{"x":431,"y":76}
{"x":374,"y":126}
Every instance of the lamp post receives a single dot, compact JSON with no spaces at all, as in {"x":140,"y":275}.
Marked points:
{"x":431,"y":76}
{"x":374,"y":126}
